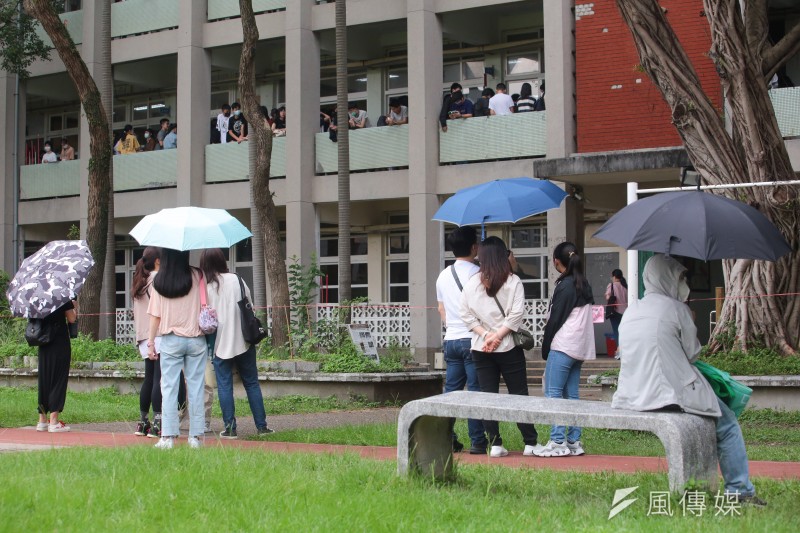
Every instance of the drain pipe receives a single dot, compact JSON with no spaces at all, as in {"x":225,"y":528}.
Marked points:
{"x":15,"y":161}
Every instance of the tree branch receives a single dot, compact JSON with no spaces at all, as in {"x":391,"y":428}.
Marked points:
{"x":756,"y":25}
{"x":776,"y":56}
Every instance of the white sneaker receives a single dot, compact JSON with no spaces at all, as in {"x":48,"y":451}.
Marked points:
{"x":165,"y":443}
{"x":194,"y":442}
{"x":498,"y":451}
{"x":207,"y":427}
{"x":575,"y":448}
{"x":531,"y":450}
{"x":59,"y":427}
{"x":553,"y":449}
{"x":42,"y":426}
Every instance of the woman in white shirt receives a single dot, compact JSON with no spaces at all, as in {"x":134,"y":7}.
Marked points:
{"x":230,"y":349}
{"x":492,"y":306}
{"x":49,"y":155}
{"x":568,"y":341}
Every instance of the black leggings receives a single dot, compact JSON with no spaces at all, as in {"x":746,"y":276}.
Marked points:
{"x":151,"y":388}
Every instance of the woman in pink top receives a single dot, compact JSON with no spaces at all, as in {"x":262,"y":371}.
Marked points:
{"x":173,"y":309}
{"x":619,"y":288}
{"x":567,"y":342}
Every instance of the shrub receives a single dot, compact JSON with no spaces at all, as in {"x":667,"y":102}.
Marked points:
{"x":86,"y":349}
{"x":755,"y":362}
{"x":348,"y":359}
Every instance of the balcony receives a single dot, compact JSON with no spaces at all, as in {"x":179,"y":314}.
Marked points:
{"x":147,"y":170}
{"x":229,"y":162}
{"x":495,"y":137}
{"x":52,"y":180}
{"x":143,"y":16}
{"x":223,"y":9}
{"x":74,"y":23}
{"x":370,"y":149}
{"x":786,"y":103}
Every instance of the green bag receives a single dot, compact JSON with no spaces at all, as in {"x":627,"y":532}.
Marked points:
{"x":731,"y":392}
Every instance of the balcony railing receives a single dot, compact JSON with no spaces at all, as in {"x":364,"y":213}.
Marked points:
{"x":73,"y":20}
{"x":50,"y":180}
{"x":370,"y":148}
{"x":147,"y":170}
{"x":786,"y":103}
{"x":142,"y":16}
{"x":223,"y":9}
{"x":229,"y":162}
{"x":495,"y":137}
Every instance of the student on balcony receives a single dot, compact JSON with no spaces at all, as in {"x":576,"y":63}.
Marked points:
{"x":162,"y":133}
{"x":481,"y":107}
{"x":358,"y":117}
{"x":67,"y":151}
{"x":171,"y":140}
{"x":398,"y":114}
{"x":49,"y":155}
{"x":501,"y":103}
{"x":237,"y":125}
{"x":526,"y":101}
{"x":539,"y":105}
{"x":150,"y":142}
{"x":279,"y":123}
{"x":460,"y":106}
{"x":128,"y":144}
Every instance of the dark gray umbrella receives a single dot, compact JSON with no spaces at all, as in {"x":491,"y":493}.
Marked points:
{"x":49,"y":278}
{"x":695,"y":224}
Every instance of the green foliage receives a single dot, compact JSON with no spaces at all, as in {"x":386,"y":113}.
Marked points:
{"x":20,"y":46}
{"x":303,"y":284}
{"x":4,"y":281}
{"x":755,"y":362}
{"x":88,"y":350}
{"x":348,"y":359}
{"x":74,"y":233}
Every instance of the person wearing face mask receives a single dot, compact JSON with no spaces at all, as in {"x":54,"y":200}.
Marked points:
{"x":49,"y":155}
{"x":658,"y":344}
{"x":237,"y":125}
{"x":150,"y":142}
{"x":67,"y":151}
{"x":222,"y":123}
{"x":357,"y":118}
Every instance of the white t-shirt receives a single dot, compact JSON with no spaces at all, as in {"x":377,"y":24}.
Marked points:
{"x":448,"y":293}
{"x":224,"y":297}
{"x":49,"y":157}
{"x":501,"y":104}
{"x":222,"y":127}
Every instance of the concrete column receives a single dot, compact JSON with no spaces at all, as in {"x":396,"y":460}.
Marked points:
{"x":302,"y":70}
{"x":375,"y":92}
{"x":194,"y":97}
{"x":425,"y":89}
{"x":559,"y":44}
{"x":8,"y":134}
{"x":564,"y":224}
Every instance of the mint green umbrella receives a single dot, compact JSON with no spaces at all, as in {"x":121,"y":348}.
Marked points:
{"x":190,"y":228}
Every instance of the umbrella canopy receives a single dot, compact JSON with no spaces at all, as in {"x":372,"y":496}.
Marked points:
{"x":500,"y":201}
{"x":190,"y":228}
{"x":49,"y":278}
{"x":695,"y":224}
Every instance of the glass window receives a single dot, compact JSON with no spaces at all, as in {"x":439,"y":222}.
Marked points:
{"x":398,"y":79}
{"x":357,"y":83}
{"x":120,"y":112}
{"x":158,"y":109}
{"x":473,"y":70}
{"x":526,"y":63}
{"x":530,"y":237}
{"x":452,"y":72}
{"x":140,"y":111}
{"x":218,"y":100}
{"x":72,"y":121}
{"x":56,"y":123}
{"x":119,"y":257}
{"x":244,"y":251}
{"x":136,"y":254}
{"x":529,"y":244}
{"x":398,"y":243}
{"x":329,"y":283}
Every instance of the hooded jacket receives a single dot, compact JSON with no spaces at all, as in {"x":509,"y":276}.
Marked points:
{"x":658,"y":344}
{"x":565,"y":298}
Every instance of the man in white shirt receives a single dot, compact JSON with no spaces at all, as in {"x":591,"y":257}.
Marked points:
{"x":458,"y":339}
{"x":501,"y":103}
{"x":222,"y":123}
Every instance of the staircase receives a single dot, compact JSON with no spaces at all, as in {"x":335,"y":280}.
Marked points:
{"x":535,"y":369}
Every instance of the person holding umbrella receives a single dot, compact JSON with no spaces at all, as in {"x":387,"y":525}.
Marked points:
{"x":174,"y":309}
{"x":54,"y":360}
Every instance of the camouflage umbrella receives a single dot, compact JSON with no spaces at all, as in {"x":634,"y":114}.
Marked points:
{"x":49,"y":278}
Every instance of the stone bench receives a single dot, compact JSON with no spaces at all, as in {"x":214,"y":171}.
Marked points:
{"x":424,"y":441}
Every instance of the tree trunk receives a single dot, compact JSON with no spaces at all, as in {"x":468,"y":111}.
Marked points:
{"x":99,"y":162}
{"x":343,"y":141}
{"x":259,"y":180}
{"x":755,"y":153}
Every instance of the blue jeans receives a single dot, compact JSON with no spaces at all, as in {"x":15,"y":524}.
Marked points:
{"x":248,"y":371}
{"x":732,"y":454}
{"x":615,"y":320}
{"x":187,"y":354}
{"x":461,"y":371}
{"x":562,"y":377}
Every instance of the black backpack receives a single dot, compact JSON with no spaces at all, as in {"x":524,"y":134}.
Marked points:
{"x":39,"y":332}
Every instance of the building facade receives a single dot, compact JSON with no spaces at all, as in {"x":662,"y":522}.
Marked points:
{"x":604,"y":125}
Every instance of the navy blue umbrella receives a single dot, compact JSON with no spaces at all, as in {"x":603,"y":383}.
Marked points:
{"x":695,"y":224}
{"x":500,"y":201}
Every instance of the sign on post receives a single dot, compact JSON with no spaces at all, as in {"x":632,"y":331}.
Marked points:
{"x":362,"y":338}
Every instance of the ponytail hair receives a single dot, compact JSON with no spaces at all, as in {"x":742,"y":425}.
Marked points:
{"x":567,"y":255}
{"x":617,"y":273}
{"x":144,"y":266}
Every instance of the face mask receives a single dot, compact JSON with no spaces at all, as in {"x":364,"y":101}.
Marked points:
{"x":354,"y":114}
{"x":683,"y":290}
{"x":46,"y":148}
{"x":237,"y":113}
{"x":146,"y":135}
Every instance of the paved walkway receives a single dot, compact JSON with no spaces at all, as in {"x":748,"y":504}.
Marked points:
{"x":29,"y":439}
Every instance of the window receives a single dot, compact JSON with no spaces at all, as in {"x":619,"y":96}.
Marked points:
{"x":218,"y":99}
{"x":397,"y":247}
{"x":397,"y":79}
{"x":398,"y":281}
{"x":329,"y":265}
{"x":525,"y":63}
{"x":529,"y":244}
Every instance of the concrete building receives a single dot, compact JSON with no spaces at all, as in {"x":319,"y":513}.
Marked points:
{"x":605,"y":125}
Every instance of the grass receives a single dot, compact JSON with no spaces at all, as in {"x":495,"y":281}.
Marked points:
{"x":235,"y":490}
{"x":106,"y":405}
{"x":769,"y":435}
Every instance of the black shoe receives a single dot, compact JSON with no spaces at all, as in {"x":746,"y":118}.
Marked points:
{"x":457,"y":446}
{"x":478,"y":450}
{"x":229,"y":433}
{"x":142,"y":427}
{"x":264,"y":431}
{"x":155,"y":430}
{"x":753,"y":500}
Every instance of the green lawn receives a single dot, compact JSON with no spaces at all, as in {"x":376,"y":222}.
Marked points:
{"x":226,"y":489}
{"x":105,"y":405}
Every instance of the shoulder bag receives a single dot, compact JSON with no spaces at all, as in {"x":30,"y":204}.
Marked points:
{"x":253,"y":331}
{"x":207,"y":319}
{"x":611,"y":304}
{"x":38,"y":332}
{"x":522,"y":337}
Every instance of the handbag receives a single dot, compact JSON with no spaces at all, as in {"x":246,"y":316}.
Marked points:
{"x":731,"y":392}
{"x":253,"y":331}
{"x":38,"y":332}
{"x":207,"y":319}
{"x":611,"y":307}
{"x":522,"y":337}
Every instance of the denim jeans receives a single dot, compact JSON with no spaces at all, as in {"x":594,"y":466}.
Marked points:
{"x":460,"y":372}
{"x":189,"y":354}
{"x":511,"y":365}
{"x":615,"y":320}
{"x":246,"y":365}
{"x":562,"y":377}
{"x":732,"y":454}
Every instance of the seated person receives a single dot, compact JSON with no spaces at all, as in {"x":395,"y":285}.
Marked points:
{"x":357,"y":118}
{"x":658,"y":344}
{"x":460,"y":106}
{"x":398,"y":114}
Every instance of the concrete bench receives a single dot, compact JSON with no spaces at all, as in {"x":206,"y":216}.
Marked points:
{"x":424,"y":441}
